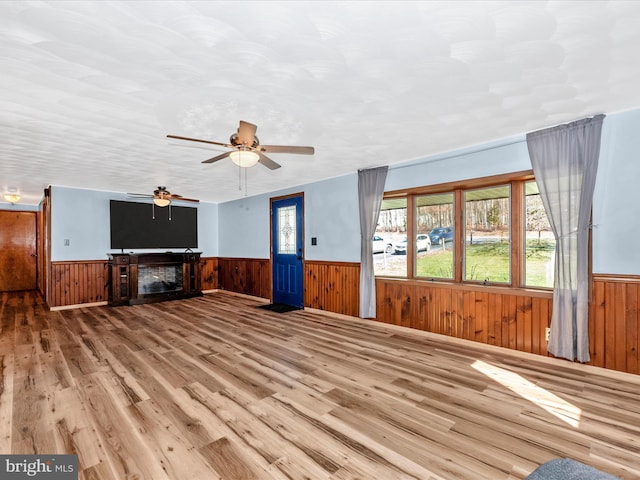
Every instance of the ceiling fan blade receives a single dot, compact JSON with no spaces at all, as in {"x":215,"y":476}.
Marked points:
{"x":199,"y":140}
{"x":286,"y":149}
{"x":184,"y":199}
{"x":267,"y":162}
{"x":141,"y":195}
{"x":219,"y":157}
{"x":246,"y":133}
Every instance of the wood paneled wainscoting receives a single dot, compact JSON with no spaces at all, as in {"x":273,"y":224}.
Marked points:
{"x":517,"y":319}
{"x":86,"y":281}
{"x":250,"y":276}
{"x":76,"y":282}
{"x":509,"y":318}
{"x":329,"y":286}
{"x":332,"y":286}
{"x":209,"y":273}
{"x":614,"y":335}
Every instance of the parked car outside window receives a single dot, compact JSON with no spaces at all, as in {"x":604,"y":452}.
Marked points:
{"x":381,"y":245}
{"x":441,"y":233}
{"x":423,"y":243}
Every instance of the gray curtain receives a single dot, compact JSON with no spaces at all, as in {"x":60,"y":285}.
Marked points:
{"x":370,"y":192}
{"x":565,"y":162}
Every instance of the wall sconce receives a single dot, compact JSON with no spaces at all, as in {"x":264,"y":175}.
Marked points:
{"x":11,"y":197}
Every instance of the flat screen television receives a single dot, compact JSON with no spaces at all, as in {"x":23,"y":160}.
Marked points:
{"x":133,"y":226}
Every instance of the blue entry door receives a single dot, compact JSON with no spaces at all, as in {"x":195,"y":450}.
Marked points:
{"x":287,"y":250}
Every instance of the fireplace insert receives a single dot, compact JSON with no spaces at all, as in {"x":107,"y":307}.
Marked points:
{"x":152,"y":277}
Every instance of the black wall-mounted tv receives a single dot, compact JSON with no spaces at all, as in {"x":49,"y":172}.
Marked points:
{"x":133,"y":226}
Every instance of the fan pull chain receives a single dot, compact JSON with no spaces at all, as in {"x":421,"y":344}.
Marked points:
{"x":169,"y":211}
{"x":246,"y":189}
{"x":153,"y":211}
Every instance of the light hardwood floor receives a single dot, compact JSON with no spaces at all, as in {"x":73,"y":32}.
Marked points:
{"x":216,"y":388}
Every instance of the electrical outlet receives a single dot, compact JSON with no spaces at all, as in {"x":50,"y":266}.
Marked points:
{"x":547,"y":332}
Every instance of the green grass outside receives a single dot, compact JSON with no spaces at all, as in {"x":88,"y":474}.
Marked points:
{"x":437,"y":264}
{"x":489,"y":261}
{"x":539,"y":254}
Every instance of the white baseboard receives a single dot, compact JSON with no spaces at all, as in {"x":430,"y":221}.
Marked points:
{"x":78,"y":305}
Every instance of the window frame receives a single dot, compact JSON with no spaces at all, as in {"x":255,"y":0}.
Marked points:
{"x":464,"y":203}
{"x":517,"y":227}
{"x":453,"y":247}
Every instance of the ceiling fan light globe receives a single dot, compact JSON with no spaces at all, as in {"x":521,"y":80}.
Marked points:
{"x":161,"y":202}
{"x":244,"y":159}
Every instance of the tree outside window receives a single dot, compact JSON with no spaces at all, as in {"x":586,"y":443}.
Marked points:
{"x":390,"y":241}
{"x":540,"y":244}
{"x":487,"y":253}
{"x":435,"y":218}
{"x":493,"y":247}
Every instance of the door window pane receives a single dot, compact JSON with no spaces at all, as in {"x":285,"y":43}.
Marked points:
{"x":540,"y":243}
{"x":487,"y":235}
{"x":287,"y":230}
{"x":390,"y":239}
{"x":435,"y":220}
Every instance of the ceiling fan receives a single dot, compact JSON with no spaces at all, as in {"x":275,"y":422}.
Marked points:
{"x":162,"y":197}
{"x":247,"y":150}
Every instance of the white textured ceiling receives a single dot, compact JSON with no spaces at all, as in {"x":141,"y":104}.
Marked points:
{"x":89,"y":90}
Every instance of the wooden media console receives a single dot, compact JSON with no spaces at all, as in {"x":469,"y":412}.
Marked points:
{"x":153,"y":277}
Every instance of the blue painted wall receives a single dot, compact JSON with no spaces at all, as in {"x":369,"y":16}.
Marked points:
{"x":82,"y":217}
{"x":241,"y":228}
{"x":17,"y":207}
{"x":616,"y":232}
{"x":495,"y":158}
{"x":331,"y":206}
{"x":331,"y":215}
